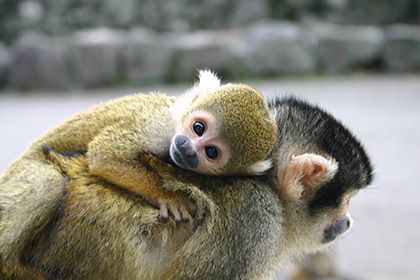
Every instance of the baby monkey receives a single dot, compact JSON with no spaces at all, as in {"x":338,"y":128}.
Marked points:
{"x":211,"y":129}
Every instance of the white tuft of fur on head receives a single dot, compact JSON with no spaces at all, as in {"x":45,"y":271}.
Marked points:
{"x":259,"y":168}
{"x":207,"y":83}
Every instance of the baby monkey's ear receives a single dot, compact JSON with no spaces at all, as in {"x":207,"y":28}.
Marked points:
{"x":259,"y":168}
{"x":304,"y":174}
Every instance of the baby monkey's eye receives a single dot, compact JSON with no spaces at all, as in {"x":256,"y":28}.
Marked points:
{"x":211,"y":152}
{"x":199,"y":128}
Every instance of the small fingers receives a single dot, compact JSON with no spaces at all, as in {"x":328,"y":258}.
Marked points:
{"x":154,"y":203}
{"x":175,"y":212}
{"x":163,"y":212}
{"x":182,"y":210}
{"x":184,"y":213}
{"x":191,"y":207}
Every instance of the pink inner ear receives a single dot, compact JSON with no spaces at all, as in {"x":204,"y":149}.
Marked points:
{"x":292,"y":179}
{"x":303,"y":174}
{"x":317,"y":168}
{"x":311,"y":170}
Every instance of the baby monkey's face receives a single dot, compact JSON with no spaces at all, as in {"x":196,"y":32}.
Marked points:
{"x":198,"y":145}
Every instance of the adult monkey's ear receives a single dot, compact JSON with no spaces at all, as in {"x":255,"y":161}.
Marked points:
{"x":207,"y":83}
{"x":304,"y":174}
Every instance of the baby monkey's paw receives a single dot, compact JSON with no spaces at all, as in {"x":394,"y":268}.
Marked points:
{"x":179,"y":206}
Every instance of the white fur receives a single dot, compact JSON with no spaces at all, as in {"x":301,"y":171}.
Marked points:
{"x":259,"y":168}
{"x":208,"y":82}
{"x":332,"y":167}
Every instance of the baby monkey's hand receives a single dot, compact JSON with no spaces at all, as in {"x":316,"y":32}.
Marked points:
{"x":176,"y":204}
{"x":170,"y":196}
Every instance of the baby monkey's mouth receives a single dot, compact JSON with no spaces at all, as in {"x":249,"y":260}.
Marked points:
{"x":337,"y":228}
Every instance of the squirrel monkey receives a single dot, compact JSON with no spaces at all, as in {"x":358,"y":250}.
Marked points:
{"x":212,"y":129}
{"x":253,"y":224}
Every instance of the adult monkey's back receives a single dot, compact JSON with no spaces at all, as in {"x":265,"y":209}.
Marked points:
{"x":100,"y":232}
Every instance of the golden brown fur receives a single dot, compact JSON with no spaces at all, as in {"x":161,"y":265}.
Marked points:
{"x":89,"y":229}
{"x":114,"y":133}
{"x":99,"y":231}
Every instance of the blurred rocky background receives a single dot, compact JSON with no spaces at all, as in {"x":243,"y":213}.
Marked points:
{"x":62,"y":44}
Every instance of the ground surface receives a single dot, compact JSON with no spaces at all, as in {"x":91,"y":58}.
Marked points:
{"x":383,"y":111}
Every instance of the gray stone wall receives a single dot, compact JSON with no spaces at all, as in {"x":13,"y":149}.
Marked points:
{"x":57,"y":17}
{"x":60,"y":17}
{"x":95,"y":43}
{"x":103,"y":56}
{"x":402,"y":48}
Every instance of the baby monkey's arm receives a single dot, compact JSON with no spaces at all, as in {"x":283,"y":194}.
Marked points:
{"x":114,"y":156}
{"x":118,"y":163}
{"x":158,"y":190}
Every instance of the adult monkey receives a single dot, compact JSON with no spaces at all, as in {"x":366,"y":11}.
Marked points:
{"x":247,"y":228}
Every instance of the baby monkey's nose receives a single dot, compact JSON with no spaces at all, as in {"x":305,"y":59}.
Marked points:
{"x":181,"y":140}
{"x":183,"y":143}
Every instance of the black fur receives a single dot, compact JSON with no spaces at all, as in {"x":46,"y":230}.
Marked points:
{"x":68,"y":154}
{"x":310,"y":126}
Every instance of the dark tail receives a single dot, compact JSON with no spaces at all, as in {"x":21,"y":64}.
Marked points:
{"x":62,"y":159}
